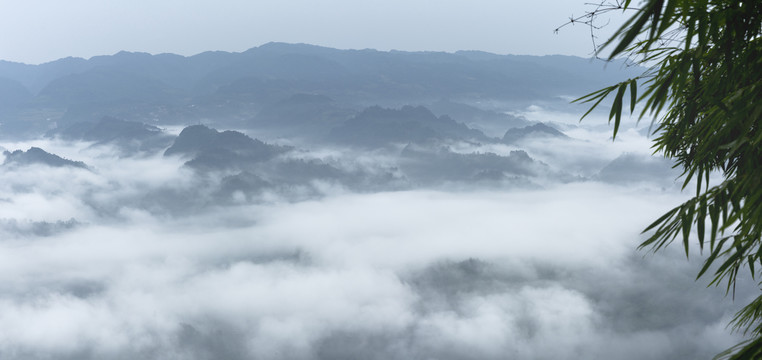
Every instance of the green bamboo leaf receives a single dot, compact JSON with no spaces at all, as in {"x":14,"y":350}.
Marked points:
{"x":616,"y":109}
{"x":661,"y":219}
{"x":702,"y":88}
{"x":700,"y":221}
{"x":688,"y":177}
{"x":751,"y":260}
{"x":600,"y":95}
{"x":714,"y":253}
{"x":747,"y":350}
{"x":631,"y":29}
{"x":685,"y":220}
{"x":655,"y":17}
{"x":633,"y":94}
{"x":714,"y":217}
{"x":729,"y":263}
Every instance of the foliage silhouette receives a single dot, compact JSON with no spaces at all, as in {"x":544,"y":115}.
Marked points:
{"x":703,"y":97}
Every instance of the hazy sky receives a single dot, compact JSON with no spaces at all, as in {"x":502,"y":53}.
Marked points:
{"x":36,"y":31}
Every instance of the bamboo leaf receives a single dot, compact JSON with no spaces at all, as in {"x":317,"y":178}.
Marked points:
{"x":661,"y":219}
{"x":630,"y":30}
{"x":700,"y":221}
{"x":633,"y":94}
{"x":616,"y":108}
{"x":685,"y":220}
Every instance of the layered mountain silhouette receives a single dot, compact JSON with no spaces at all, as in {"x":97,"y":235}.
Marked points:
{"x":539,"y":130}
{"x":36,"y":155}
{"x":303,"y":115}
{"x":249,"y":88}
{"x":416,"y":110}
{"x":12,"y":94}
{"x":476,"y":117}
{"x":128,"y":136}
{"x":241,"y":187}
{"x":633,"y":168}
{"x":378,"y":127}
{"x":210,"y":149}
{"x":427,"y":165}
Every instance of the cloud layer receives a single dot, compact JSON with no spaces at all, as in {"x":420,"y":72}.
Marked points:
{"x":90,"y":270}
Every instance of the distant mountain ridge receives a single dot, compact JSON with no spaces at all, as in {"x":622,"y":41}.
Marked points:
{"x":36,"y":155}
{"x":211,"y":149}
{"x":377,"y":126}
{"x":230,"y":89}
{"x":128,"y":136}
{"x":539,"y":130}
{"x":301,"y":115}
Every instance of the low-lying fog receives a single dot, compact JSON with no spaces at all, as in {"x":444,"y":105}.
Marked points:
{"x":143,"y":257}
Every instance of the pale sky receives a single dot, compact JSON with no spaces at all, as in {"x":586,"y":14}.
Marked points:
{"x":36,"y":31}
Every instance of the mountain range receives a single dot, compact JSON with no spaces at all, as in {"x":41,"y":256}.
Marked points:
{"x":246,"y":90}
{"x":245,"y":124}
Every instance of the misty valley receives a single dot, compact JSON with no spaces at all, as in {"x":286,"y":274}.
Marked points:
{"x":301,"y":202}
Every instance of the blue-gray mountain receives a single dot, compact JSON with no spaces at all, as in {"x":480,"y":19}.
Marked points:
{"x":229,"y":90}
{"x":378,"y":127}
{"x":210,"y":149}
{"x":38,"y":156}
{"x":129,"y":137}
{"x":539,"y":130}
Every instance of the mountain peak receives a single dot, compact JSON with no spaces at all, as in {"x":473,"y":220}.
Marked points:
{"x":36,"y":155}
{"x":536,"y":130}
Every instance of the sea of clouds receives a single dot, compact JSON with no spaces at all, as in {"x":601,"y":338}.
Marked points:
{"x":92,"y":268}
